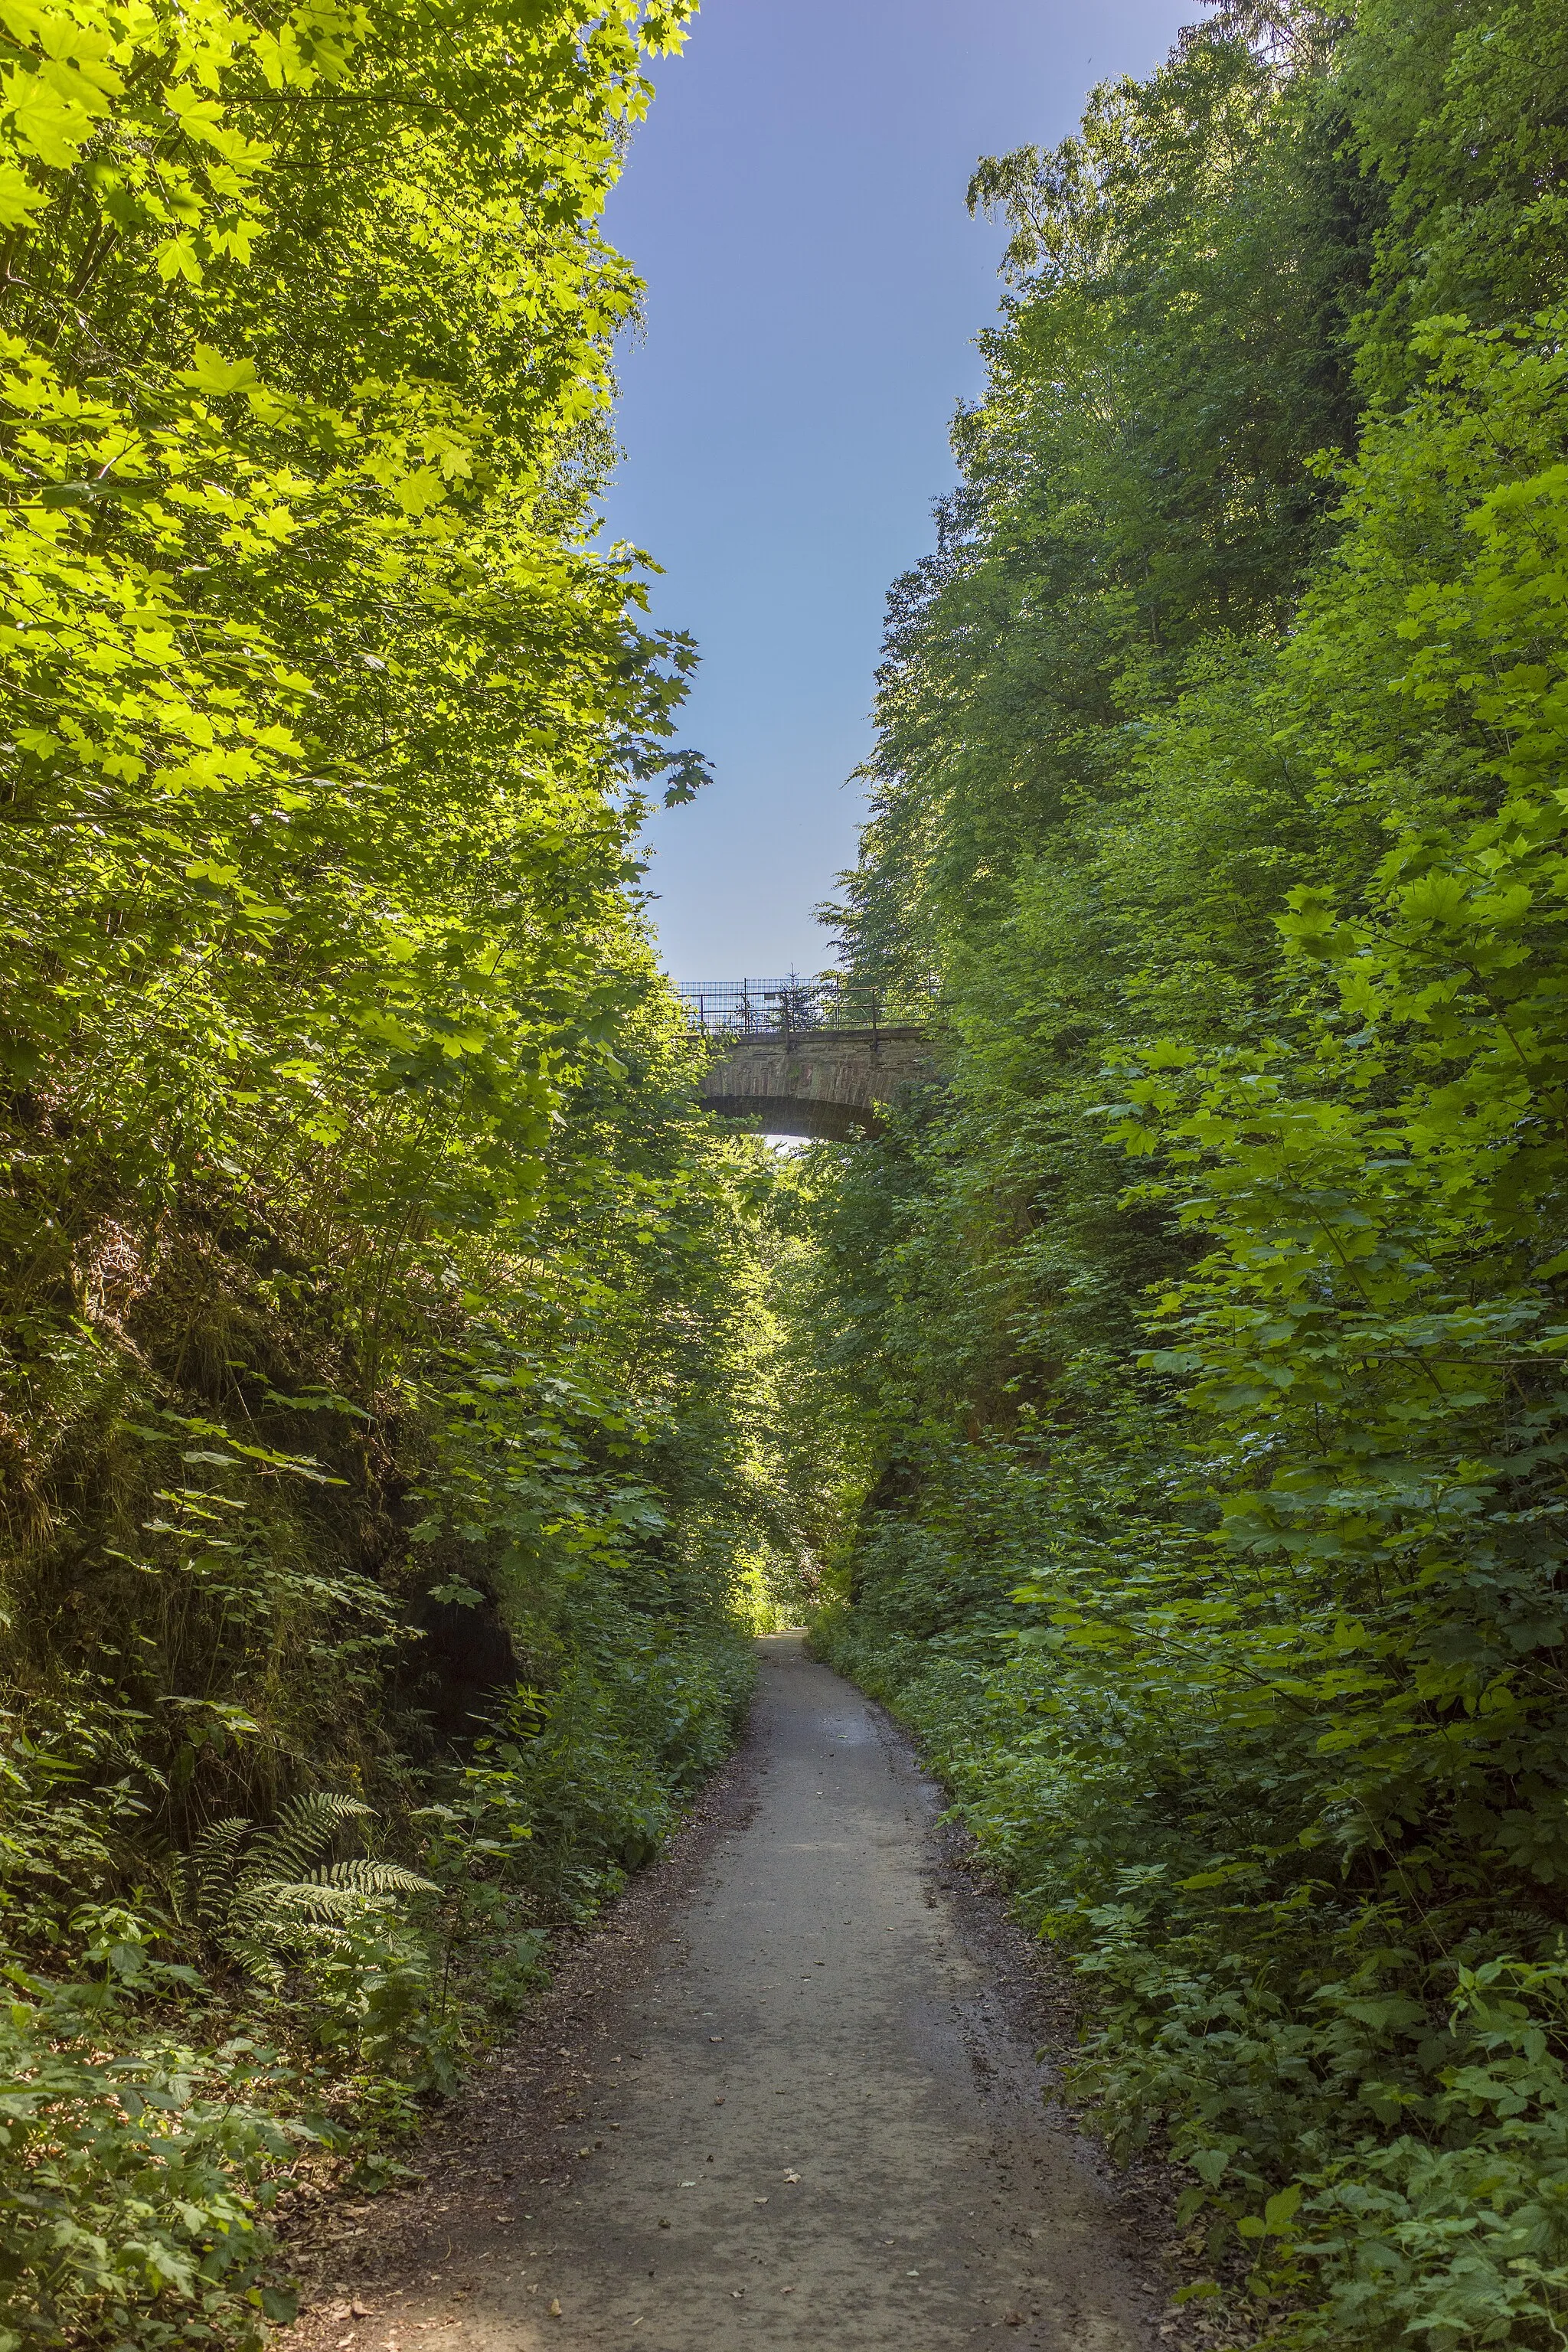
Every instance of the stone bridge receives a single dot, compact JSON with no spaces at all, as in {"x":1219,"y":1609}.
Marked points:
{"x":832,"y":1083}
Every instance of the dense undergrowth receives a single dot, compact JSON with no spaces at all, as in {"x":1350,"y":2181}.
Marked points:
{"x":1190,"y":1364}
{"x":379,"y":1314}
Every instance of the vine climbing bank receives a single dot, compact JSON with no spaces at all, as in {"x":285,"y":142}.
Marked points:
{"x":1190,"y":1366}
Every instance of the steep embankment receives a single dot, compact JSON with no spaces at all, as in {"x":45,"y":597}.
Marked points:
{"x":1191,"y":1364}
{"x":373,"y":1298}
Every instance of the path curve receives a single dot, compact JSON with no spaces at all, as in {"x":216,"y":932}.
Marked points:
{"x":809,"y":2123}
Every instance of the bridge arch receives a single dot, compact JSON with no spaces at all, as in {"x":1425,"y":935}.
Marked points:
{"x":829,"y":1082}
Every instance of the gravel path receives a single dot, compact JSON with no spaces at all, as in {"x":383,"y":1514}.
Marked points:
{"x":808,"y":2114}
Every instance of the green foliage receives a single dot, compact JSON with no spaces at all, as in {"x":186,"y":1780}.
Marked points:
{"x":134,"y":2182}
{"x":374,"y":1323}
{"x":1204,"y":1333}
{"x":1458,"y":114}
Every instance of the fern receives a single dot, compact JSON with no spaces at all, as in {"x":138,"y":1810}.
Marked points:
{"x":258,"y":1892}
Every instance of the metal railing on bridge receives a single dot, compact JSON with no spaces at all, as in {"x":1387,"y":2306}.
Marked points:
{"x":793,"y":1006}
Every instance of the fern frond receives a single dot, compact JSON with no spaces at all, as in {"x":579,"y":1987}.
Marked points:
{"x":296,"y":1840}
{"x":368,"y":1877}
{"x":255,"y":1955}
{"x":210,"y":1868}
{"x":275,"y":1905}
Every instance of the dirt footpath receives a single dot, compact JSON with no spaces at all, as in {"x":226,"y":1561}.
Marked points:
{"x":808,"y":2114}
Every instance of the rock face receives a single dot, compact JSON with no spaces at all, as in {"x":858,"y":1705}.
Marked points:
{"x":823,"y":1082}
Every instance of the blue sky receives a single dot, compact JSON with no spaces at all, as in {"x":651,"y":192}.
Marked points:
{"x":795,"y":202}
